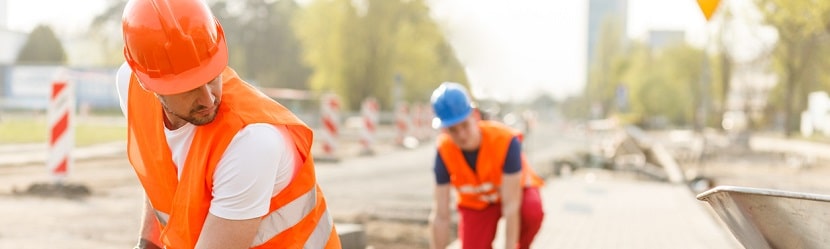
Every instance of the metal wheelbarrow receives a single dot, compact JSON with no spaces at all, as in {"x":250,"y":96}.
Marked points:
{"x":767,"y":218}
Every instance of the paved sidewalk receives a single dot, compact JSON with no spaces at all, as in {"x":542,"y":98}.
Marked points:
{"x":598,"y":209}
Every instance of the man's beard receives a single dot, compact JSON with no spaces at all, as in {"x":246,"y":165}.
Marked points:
{"x":191,"y":118}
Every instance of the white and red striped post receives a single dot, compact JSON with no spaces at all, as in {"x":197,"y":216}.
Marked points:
{"x":329,"y":112}
{"x":424,"y":117}
{"x":417,"y":125}
{"x":403,"y":123}
{"x":369,"y":110}
{"x":61,"y":128}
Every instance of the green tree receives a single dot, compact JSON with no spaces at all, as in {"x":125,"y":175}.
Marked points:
{"x":324,"y":28}
{"x":798,"y":56}
{"x":105,"y":28}
{"x":664,"y":82}
{"x":358,"y":48}
{"x":262,"y":43}
{"x":607,"y":67}
{"x":681,"y":67}
{"x":42,"y":47}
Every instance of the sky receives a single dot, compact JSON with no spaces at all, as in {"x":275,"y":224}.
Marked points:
{"x":517,"y":51}
{"x":64,"y":16}
{"x":512,"y":50}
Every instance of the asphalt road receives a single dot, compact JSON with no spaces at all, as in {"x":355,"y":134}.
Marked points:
{"x":395,"y":183}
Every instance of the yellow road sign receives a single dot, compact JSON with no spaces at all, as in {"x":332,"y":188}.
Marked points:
{"x":708,"y":7}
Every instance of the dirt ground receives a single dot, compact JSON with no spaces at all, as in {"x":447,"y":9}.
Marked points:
{"x":109,"y":216}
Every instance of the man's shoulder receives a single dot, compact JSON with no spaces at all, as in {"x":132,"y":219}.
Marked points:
{"x":502,"y":130}
{"x":122,"y":79}
{"x":259,"y":135}
{"x":122,"y":76}
{"x":443,"y":139}
{"x":122,"y":85}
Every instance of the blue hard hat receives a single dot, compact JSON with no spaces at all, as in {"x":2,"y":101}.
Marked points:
{"x":451,"y":105}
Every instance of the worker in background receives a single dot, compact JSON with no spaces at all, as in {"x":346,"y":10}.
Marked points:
{"x":222,"y":165}
{"x":484,"y":163}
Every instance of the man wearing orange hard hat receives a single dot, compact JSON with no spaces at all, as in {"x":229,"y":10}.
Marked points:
{"x":222,"y":165}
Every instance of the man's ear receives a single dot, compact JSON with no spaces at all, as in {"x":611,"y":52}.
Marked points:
{"x":477,"y":114}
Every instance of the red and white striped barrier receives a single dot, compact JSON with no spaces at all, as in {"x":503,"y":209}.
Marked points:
{"x":369,"y":111}
{"x":329,"y":112}
{"x":417,"y":122}
{"x":424,"y":126}
{"x":61,"y":128}
{"x":403,"y":123}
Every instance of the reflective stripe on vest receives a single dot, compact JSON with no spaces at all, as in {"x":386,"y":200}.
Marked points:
{"x":284,"y":218}
{"x":486,"y":191}
{"x":491,"y":198}
{"x":476,"y":189}
{"x":320,"y":237}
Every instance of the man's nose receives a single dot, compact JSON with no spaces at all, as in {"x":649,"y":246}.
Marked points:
{"x":460,"y":132}
{"x":205,"y":96}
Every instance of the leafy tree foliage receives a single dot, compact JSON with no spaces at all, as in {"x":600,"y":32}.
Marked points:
{"x":800,"y":55}
{"x":106,"y":30}
{"x":665,"y":83}
{"x":262,"y":43}
{"x":42,"y":47}
{"x":606,"y":69}
{"x":359,"y":49}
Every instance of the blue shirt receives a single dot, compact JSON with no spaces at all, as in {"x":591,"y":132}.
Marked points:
{"x":512,"y":163}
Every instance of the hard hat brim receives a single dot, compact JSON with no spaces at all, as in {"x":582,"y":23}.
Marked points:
{"x":438,"y":123}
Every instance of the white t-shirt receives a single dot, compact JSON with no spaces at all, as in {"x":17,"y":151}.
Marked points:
{"x":254,"y":167}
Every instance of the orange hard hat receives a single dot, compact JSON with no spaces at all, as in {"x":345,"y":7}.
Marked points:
{"x":173,"y":46}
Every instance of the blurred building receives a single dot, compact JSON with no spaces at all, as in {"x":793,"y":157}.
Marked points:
{"x":600,"y":11}
{"x":26,"y":87}
{"x":660,"y":39}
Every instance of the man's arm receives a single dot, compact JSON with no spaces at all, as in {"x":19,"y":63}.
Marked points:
{"x":227,"y":234}
{"x":244,"y":182}
{"x":149,"y":236}
{"x":511,"y":192}
{"x":440,"y":217}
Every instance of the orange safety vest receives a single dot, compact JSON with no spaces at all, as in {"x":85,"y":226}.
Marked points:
{"x":477,"y":190}
{"x":298,"y":217}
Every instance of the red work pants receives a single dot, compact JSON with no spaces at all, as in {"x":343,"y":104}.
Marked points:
{"x":477,"y":228}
